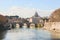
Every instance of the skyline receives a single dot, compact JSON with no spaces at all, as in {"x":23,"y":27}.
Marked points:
{"x":27,"y":8}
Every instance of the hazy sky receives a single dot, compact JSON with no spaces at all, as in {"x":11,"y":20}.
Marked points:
{"x":27,"y":8}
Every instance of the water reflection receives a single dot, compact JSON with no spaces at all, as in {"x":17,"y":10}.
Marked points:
{"x":27,"y":34}
{"x":2,"y":34}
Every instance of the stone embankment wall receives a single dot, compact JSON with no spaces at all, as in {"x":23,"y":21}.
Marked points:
{"x":52,"y":26}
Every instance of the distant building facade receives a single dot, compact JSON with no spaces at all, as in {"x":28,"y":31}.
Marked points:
{"x":35,"y":19}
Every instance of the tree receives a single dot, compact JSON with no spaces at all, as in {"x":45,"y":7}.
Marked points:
{"x":55,"y":16}
{"x":3,"y":22}
{"x":3,"y":19}
{"x":45,"y":19}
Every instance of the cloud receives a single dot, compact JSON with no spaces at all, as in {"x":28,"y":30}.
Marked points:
{"x":25,"y":12}
{"x":22,"y":12}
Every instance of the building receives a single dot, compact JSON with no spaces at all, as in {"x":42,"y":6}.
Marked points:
{"x":35,"y":19}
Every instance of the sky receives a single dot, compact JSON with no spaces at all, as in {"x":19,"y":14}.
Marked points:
{"x":27,"y":8}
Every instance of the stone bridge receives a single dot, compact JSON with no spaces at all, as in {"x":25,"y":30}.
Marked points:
{"x":21,"y":25}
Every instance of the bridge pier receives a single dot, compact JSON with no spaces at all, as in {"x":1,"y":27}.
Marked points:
{"x":21,"y":25}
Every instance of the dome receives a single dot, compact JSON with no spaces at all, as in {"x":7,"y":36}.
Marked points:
{"x":36,"y":14}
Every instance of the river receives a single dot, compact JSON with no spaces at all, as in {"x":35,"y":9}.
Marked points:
{"x":27,"y":34}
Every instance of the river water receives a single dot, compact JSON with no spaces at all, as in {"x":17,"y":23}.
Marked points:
{"x":27,"y":34}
